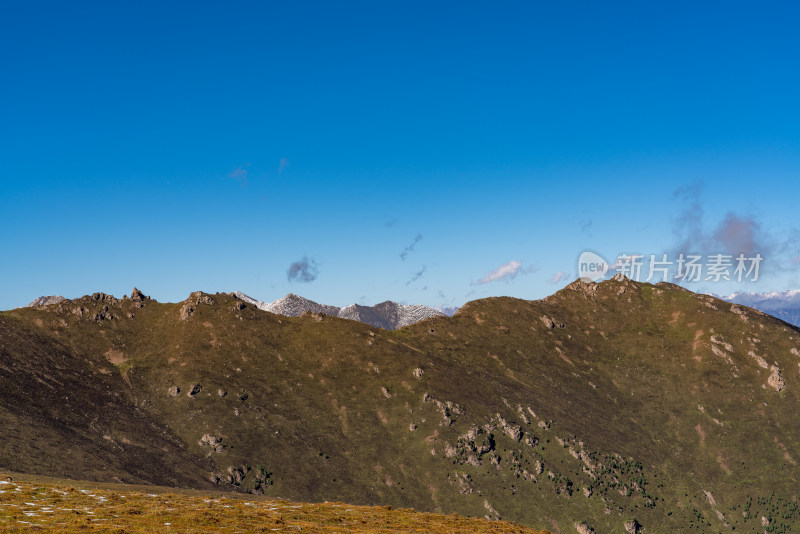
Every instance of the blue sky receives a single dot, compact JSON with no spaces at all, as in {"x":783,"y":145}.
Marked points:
{"x":199,"y":146}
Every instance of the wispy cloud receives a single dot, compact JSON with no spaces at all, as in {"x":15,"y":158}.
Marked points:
{"x":506,"y":272}
{"x":303,"y":270}
{"x":586,"y":226}
{"x":739,"y":235}
{"x":389,"y":224}
{"x":735,"y":234}
{"x":404,"y":254}
{"x":282,"y":165}
{"x":240,"y":174}
{"x":417,"y":275}
{"x":560,"y":276}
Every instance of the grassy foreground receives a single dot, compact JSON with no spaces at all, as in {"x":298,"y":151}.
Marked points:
{"x":28,"y":503}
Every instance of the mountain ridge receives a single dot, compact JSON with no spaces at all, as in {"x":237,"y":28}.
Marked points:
{"x":784,"y":305}
{"x":388,"y":315}
{"x":606,"y":405}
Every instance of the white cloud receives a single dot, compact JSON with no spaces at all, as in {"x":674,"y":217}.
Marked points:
{"x":505,"y":272}
{"x":560,"y":276}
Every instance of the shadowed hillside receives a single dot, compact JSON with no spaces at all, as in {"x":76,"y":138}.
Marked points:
{"x":616,"y":404}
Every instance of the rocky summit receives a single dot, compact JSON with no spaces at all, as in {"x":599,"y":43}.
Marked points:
{"x":610,"y":407}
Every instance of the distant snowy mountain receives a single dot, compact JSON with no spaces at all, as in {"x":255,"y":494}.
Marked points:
{"x":449,"y":310}
{"x":388,"y":315}
{"x":784,"y":305}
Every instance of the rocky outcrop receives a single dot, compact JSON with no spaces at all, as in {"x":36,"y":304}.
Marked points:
{"x":46,"y":301}
{"x":775,"y":379}
{"x":138,"y":296}
{"x":214,"y":442}
{"x":195,"y":299}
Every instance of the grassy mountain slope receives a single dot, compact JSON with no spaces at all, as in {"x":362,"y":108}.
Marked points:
{"x":615,"y":404}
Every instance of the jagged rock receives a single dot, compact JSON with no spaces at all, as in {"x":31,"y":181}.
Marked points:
{"x":775,"y":379}
{"x":237,"y":474}
{"x":493,"y":514}
{"x":633,"y":526}
{"x":551,"y":323}
{"x":221,"y":393}
{"x":511,"y":430}
{"x":587,"y":287}
{"x":138,"y":296}
{"x":759,"y":360}
{"x":198,"y":297}
{"x":317,"y":316}
{"x":213,"y":441}
{"x":583,"y":528}
{"x":195,"y":390}
{"x":186,"y":311}
{"x":239,"y":306}
{"x":174,"y":390}
{"x":418,"y":372}
{"x":190,"y":305}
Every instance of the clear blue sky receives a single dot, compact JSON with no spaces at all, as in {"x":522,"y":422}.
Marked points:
{"x":178,"y":146}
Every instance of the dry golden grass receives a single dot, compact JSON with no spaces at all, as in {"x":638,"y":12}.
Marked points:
{"x":30,"y":504}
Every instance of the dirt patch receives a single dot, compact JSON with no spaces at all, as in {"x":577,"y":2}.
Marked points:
{"x":115,"y":357}
{"x":723,"y":465}
{"x":563,"y":356}
{"x":786,"y":455}
{"x":701,"y":433}
{"x":697,"y":335}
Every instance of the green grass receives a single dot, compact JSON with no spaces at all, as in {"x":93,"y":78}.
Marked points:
{"x":622,"y":383}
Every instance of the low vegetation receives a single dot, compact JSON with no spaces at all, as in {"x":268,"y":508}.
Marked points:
{"x":70,"y":506}
{"x":615,"y":407}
